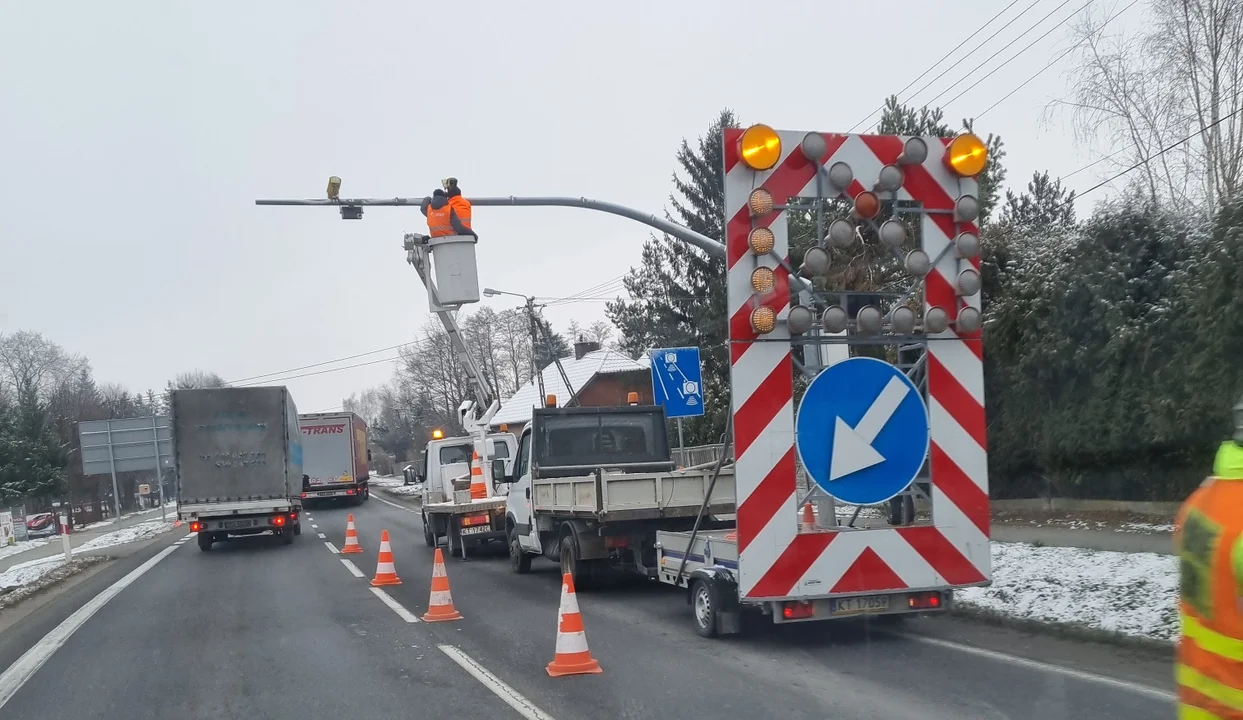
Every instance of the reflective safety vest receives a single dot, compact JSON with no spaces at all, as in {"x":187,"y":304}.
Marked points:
{"x":1209,"y":542}
{"x":461,"y":207}
{"x":438,"y":224}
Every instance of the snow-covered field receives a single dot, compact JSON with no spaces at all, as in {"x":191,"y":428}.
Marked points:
{"x":415,"y":489}
{"x":34,"y":570}
{"x":1133,"y":594}
{"x":386,"y":481}
{"x":22,"y":546}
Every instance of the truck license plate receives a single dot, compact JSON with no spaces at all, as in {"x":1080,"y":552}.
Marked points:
{"x":477,"y":530}
{"x":234,"y":524}
{"x":858,"y":605}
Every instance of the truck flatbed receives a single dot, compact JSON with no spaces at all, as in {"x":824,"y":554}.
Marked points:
{"x":459,"y":508}
{"x":607,"y":496}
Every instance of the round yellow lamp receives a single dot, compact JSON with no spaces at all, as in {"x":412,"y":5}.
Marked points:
{"x":763,"y":319}
{"x":759,"y":147}
{"x":761,"y":240}
{"x":762,"y":279}
{"x":760,"y":202}
{"x":966,"y":155}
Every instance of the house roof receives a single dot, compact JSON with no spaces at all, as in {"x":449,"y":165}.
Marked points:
{"x":517,"y":409}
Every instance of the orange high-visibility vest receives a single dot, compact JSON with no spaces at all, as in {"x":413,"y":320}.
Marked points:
{"x":1209,"y":542}
{"x":438,"y":224}
{"x":461,"y":206}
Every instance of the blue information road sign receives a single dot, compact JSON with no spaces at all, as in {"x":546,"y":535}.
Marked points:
{"x":862,"y":431}
{"x":676,"y":381}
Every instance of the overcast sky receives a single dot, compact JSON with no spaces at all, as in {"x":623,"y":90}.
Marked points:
{"x":136,"y":136}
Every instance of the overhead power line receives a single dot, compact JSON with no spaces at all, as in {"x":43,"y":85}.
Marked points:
{"x":1013,"y":57}
{"x":947,"y":55}
{"x":1157,"y":154}
{"x":318,"y":364}
{"x":318,"y":372}
{"x":1052,"y":62}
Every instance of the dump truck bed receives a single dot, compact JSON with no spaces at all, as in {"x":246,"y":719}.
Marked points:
{"x":634,"y":496}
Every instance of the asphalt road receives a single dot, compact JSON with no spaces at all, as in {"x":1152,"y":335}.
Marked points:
{"x":256,"y":629}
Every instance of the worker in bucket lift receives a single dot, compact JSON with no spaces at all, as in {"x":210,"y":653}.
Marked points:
{"x":1208,"y":538}
{"x":448,"y":213}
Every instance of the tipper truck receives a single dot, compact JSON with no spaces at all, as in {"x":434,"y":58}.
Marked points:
{"x":334,"y":458}
{"x":238,"y":458}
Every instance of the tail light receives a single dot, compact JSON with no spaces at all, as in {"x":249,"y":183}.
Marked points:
{"x":303,"y":494}
{"x":475,"y":520}
{"x":350,"y":491}
{"x":196,"y":527}
{"x":619,"y":541}
{"x":278,"y":520}
{"x":797,"y":610}
{"x":293,"y":517}
{"x":924,"y":601}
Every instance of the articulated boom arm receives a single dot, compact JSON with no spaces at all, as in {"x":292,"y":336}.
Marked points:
{"x":486,"y":403}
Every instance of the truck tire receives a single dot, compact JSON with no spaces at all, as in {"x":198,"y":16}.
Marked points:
{"x":297,"y":529}
{"x":205,"y":541}
{"x":578,"y":570}
{"x":429,"y":537}
{"x":705,"y":604}
{"x":519,"y":561}
{"x":286,"y":536}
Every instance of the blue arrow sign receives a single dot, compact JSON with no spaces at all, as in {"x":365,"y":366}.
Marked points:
{"x":676,"y":381}
{"x":862,"y":431}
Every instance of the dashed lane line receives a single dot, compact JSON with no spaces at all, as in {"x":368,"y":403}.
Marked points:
{"x":512,"y":697}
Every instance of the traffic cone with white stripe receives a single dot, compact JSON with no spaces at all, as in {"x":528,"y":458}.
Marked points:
{"x":809,"y":518}
{"x":385,"y":573}
{"x":478,"y":488}
{"x":572,"y":657}
{"x":440,"y":604}
{"x":351,"y":537}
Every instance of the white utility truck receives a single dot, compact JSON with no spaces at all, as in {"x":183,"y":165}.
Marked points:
{"x":448,"y":510}
{"x":593,"y":486}
{"x":238,"y":458}
{"x":464,"y":516}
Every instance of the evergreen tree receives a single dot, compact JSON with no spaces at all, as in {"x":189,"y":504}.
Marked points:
{"x":677,"y":294}
{"x":1046,"y":204}
{"x":31,"y":461}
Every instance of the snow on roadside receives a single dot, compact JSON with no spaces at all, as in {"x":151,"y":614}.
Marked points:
{"x":415,"y":489}
{"x":1147,"y":528}
{"x":386,"y":481}
{"x":127,"y":516}
{"x":1133,"y":594}
{"x":141,"y":531}
{"x":22,"y":546}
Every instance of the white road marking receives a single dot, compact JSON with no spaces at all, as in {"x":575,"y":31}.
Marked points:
{"x":1137,"y":688}
{"x":34,"y":658}
{"x":512,"y":697}
{"x":332,"y":548}
{"x":322,"y":536}
{"x":395,"y":606}
{"x":396,"y":505}
{"x":314,"y":527}
{"x":352,"y":568}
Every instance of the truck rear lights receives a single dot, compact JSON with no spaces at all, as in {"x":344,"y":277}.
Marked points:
{"x":278,"y":520}
{"x":924,"y":601}
{"x":796,"y":610}
{"x":196,"y":527}
{"x":350,"y":491}
{"x":616,"y":542}
{"x":303,"y":494}
{"x":474,"y":520}
{"x":293,"y":517}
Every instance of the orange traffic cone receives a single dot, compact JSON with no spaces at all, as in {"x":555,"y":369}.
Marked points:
{"x":573,"y":657}
{"x":385,"y":573}
{"x":351,"y":537}
{"x":809,"y":518}
{"x":440,"y":604}
{"x":478,"y":488}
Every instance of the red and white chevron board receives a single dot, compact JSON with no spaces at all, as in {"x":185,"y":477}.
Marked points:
{"x":775,"y":559}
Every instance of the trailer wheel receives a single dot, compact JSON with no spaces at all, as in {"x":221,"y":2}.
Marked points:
{"x":286,"y":536}
{"x":519,"y":561}
{"x":705,"y":601}
{"x":429,"y":537}
{"x":297,"y":529}
{"x":205,"y":541}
